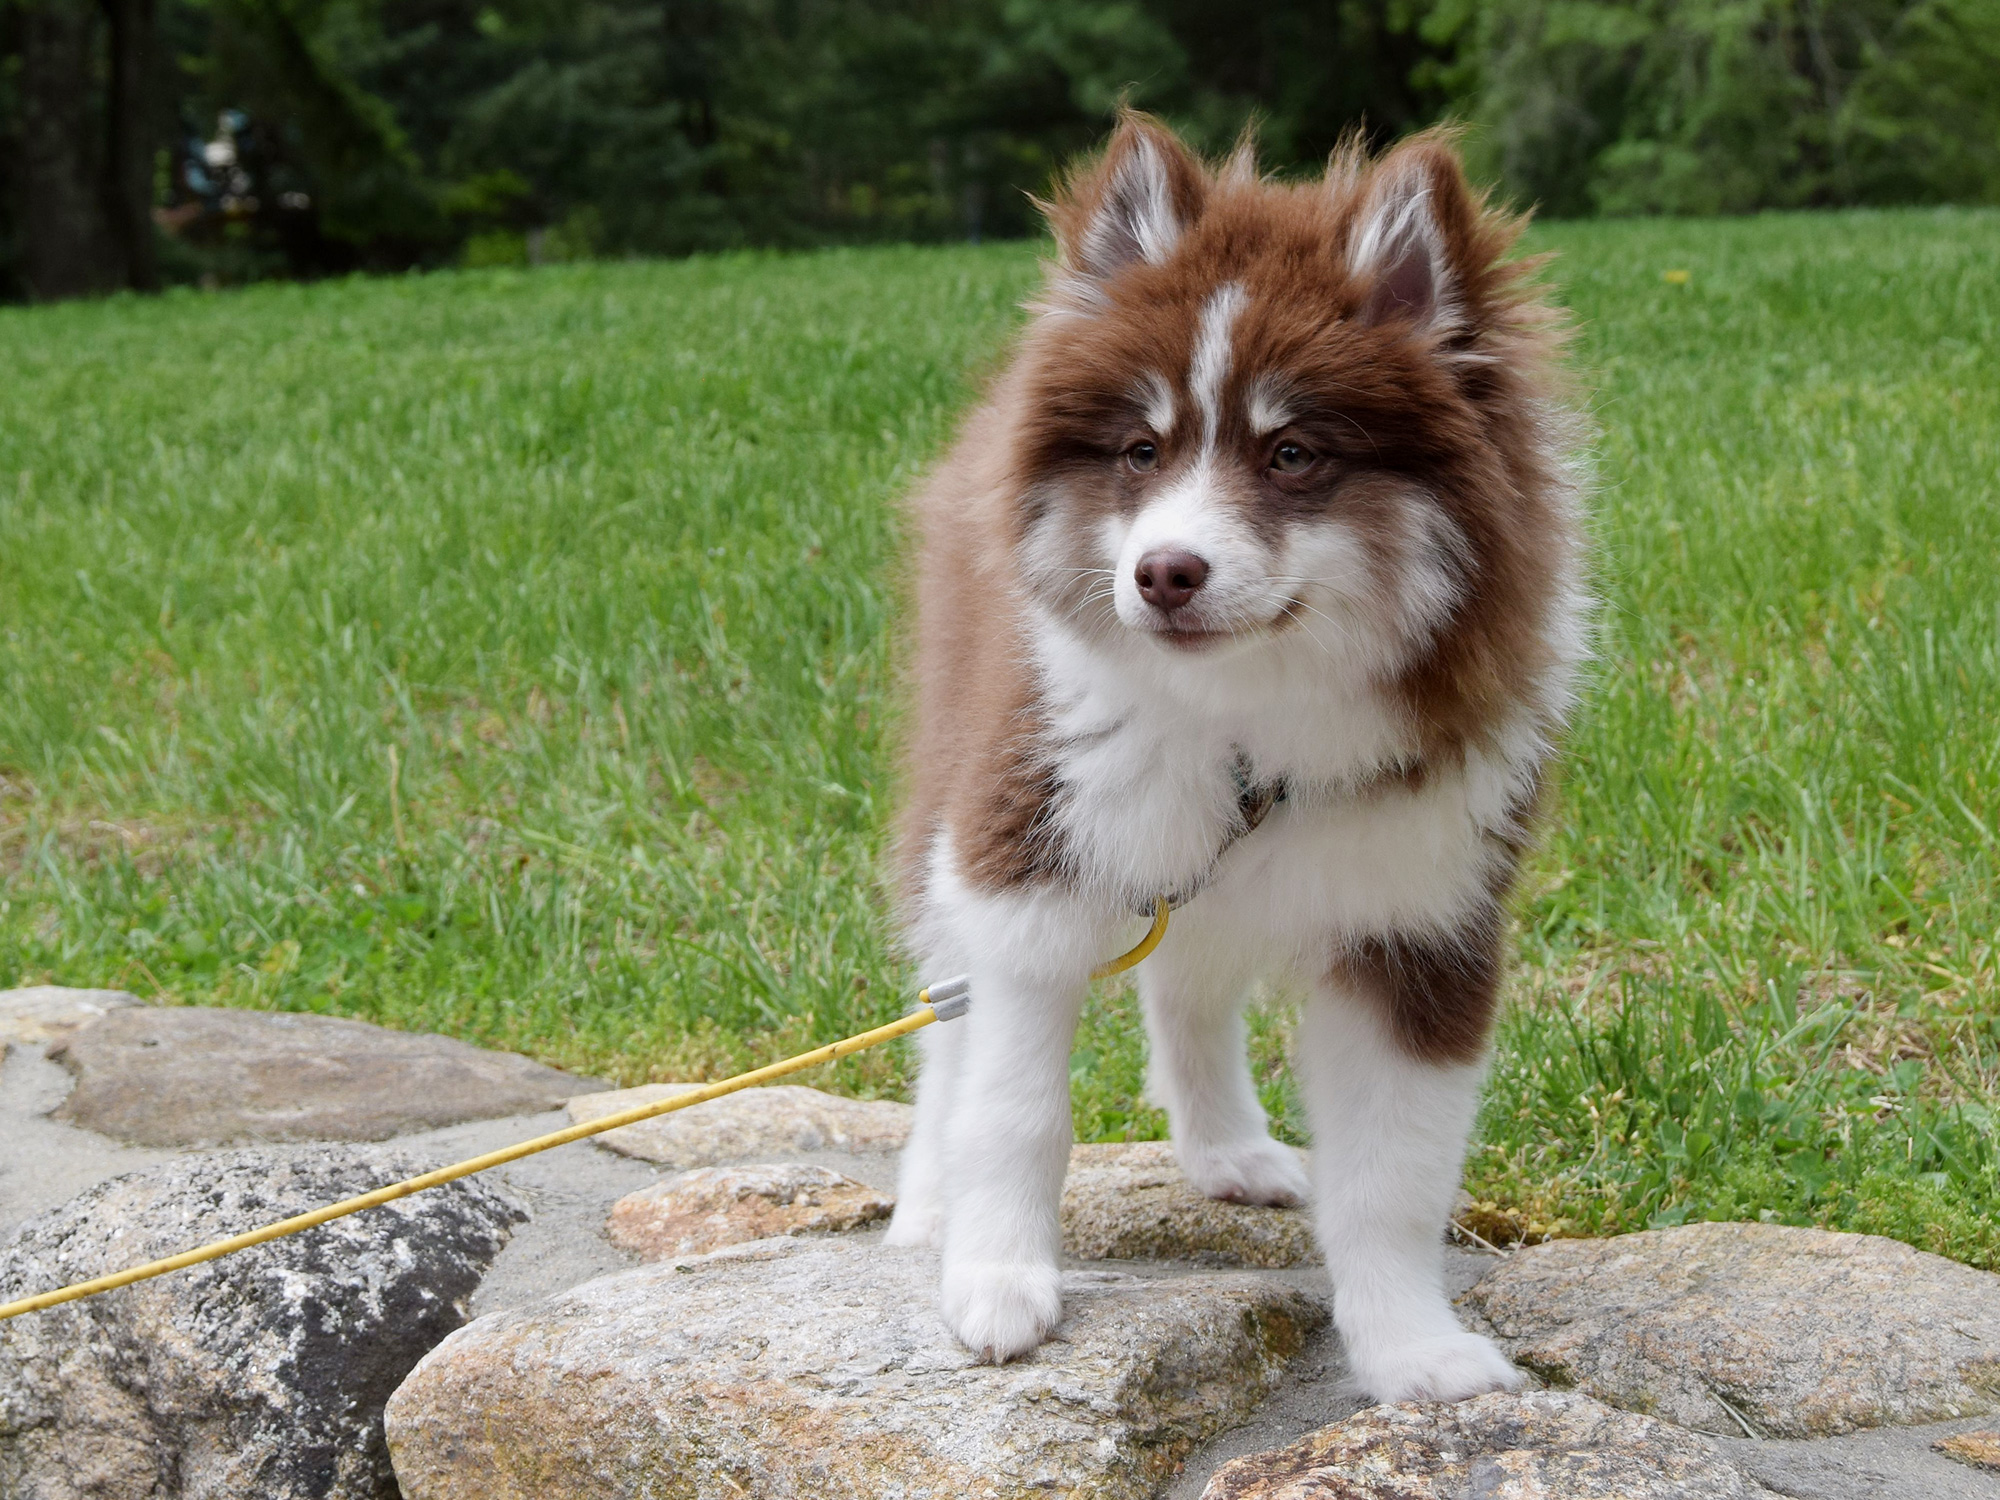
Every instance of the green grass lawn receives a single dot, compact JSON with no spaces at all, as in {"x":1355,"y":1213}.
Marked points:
{"x":506,"y":654}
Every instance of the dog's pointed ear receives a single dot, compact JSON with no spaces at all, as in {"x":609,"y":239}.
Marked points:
{"x":1410,"y":238}
{"x":1130,"y":206}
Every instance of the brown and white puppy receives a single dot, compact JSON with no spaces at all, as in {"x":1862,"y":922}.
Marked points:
{"x":1276,"y":496}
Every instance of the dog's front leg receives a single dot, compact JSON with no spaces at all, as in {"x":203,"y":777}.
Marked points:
{"x":923,"y":1180}
{"x":1007,"y":1150}
{"x":1389,"y":1133}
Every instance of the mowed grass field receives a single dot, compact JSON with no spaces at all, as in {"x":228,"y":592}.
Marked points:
{"x":507,"y":654}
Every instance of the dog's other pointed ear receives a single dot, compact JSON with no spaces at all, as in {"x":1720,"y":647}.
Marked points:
{"x":1411,"y":237}
{"x":1131,"y":205}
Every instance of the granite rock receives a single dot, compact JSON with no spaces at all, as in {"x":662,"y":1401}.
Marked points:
{"x":43,"y":1012}
{"x":793,"y":1368}
{"x":185,"y":1076}
{"x":768,"y":1122}
{"x":1131,"y":1203}
{"x":709,"y":1207}
{"x":1979,"y":1449}
{"x":1538,"y":1445}
{"x":1753,"y":1329}
{"x":260,"y":1374}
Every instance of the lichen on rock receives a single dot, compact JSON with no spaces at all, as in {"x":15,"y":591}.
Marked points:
{"x":260,"y":1374}
{"x":1978,"y":1450}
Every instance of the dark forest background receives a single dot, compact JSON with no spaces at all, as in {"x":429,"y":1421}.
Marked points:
{"x":152,"y":141}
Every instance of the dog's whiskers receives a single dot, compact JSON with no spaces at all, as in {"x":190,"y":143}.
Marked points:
{"x":1305,"y":629}
{"x":1093,"y":596}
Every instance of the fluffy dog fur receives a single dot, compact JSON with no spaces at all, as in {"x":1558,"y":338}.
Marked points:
{"x":1338,"y":402}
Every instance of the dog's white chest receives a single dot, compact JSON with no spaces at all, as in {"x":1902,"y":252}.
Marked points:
{"x":1155,"y":783}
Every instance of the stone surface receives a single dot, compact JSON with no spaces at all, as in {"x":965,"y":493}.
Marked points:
{"x":183,"y":1076}
{"x":710,"y":1207}
{"x":819,"y":1367}
{"x":1873,"y":1463}
{"x":44,"y":1163}
{"x":261,"y":1374}
{"x":768,"y":1122}
{"x":1131,"y":1203}
{"x":1539,"y":1445}
{"x":1756,"y":1329}
{"x":42,"y":1012}
{"x":1316,"y":1389}
{"x":1980,"y":1449}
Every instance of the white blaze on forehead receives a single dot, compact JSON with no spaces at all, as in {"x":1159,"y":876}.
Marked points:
{"x":1270,"y":405}
{"x":1209,"y":368}
{"x":1156,"y":401}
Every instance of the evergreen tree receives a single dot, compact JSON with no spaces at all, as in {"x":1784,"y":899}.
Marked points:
{"x":307,"y":137}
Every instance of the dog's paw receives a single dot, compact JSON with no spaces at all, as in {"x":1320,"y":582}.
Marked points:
{"x":1261,"y":1171}
{"x":1447,"y":1368}
{"x":911,"y":1226}
{"x":999,"y":1311}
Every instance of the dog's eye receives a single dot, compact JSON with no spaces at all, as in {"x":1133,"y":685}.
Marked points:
{"x":1143,"y":457}
{"x":1291,"y":458}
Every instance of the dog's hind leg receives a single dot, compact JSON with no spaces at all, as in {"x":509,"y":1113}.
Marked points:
{"x":1389,"y":1132}
{"x":1193,"y":991}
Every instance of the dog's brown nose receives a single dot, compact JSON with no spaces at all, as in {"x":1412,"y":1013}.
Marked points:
{"x":1167,"y":580}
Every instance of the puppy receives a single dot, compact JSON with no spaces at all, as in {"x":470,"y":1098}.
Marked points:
{"x":1253,"y":584}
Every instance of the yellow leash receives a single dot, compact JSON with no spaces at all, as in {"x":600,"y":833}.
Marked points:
{"x":943,"y":1002}
{"x":1137,"y":955}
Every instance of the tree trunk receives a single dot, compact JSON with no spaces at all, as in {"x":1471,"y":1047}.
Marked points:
{"x":128,"y":155}
{"x":67,"y":246}
{"x":86,"y":167}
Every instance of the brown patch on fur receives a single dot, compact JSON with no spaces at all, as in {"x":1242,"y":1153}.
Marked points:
{"x":1438,"y":993}
{"x":974,"y":759}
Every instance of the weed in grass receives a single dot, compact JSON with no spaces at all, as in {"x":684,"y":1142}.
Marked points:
{"x":507,"y":653}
